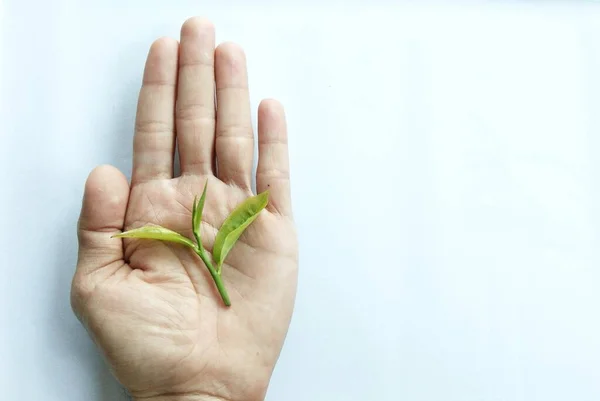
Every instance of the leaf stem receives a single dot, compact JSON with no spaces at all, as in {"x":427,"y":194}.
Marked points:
{"x":215,"y":275}
{"x":199,"y":241}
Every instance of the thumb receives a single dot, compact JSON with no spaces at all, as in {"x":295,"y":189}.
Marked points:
{"x":102,"y":215}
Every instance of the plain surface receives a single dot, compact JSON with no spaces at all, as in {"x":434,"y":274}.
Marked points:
{"x":445,"y":177}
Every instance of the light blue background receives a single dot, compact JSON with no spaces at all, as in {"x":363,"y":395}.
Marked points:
{"x":445,"y":176}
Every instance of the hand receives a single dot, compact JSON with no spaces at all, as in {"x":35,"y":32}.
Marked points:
{"x":152,"y":306}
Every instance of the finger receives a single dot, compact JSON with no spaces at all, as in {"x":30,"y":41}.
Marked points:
{"x":235,"y":141}
{"x":195,"y":111}
{"x":272,"y":172}
{"x":154,"y":140}
{"x":102,"y":215}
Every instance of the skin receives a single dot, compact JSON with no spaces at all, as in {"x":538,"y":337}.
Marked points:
{"x":151,"y":306}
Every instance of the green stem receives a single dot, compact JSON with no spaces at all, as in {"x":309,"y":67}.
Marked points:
{"x":215,"y":275}
{"x":198,"y":240}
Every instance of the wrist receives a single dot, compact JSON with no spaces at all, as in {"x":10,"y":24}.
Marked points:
{"x":181,"y":397}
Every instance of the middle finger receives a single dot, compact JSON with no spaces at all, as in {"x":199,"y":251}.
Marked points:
{"x":195,"y":110}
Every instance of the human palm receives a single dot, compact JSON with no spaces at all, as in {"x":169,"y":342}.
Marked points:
{"x":152,"y":306}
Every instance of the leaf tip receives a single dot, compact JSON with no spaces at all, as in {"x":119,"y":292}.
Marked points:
{"x":265,"y":196}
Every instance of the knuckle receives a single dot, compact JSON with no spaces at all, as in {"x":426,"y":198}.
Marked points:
{"x":196,"y":111}
{"x":153,"y":126}
{"x":236,"y":131}
{"x":274,"y":173}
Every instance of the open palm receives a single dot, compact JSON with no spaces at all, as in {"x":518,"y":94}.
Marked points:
{"x":152,"y":306}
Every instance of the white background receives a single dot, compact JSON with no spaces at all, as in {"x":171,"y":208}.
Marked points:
{"x":445,"y":178}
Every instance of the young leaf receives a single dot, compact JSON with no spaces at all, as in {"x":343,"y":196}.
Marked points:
{"x":235,"y":224}
{"x":197,"y":214}
{"x":156,"y":232}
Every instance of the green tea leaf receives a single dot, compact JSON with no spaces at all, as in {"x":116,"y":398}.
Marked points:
{"x":197,"y":214}
{"x":156,"y":232}
{"x":235,"y":224}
